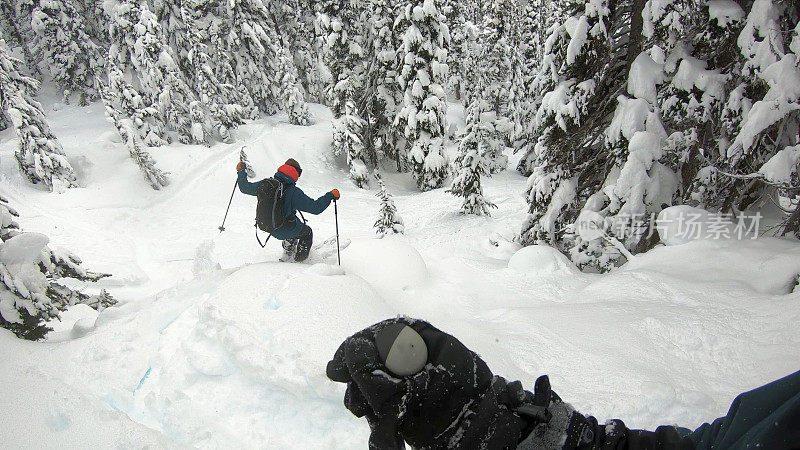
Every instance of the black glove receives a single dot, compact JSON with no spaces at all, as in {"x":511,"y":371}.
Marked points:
{"x":449,"y":403}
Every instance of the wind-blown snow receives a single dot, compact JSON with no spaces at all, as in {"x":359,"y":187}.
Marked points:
{"x":223,"y":346}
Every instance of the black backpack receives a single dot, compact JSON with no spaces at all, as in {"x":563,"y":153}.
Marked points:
{"x":270,"y":213}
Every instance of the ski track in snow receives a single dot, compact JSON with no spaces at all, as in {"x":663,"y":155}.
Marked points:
{"x":235,"y":357}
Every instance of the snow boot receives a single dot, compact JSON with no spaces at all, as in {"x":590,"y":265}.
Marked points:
{"x":289,"y":250}
{"x":304,"y":242}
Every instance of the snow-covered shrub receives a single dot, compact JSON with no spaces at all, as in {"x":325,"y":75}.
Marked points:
{"x":389,"y":221}
{"x":29,"y":289}
{"x":8,"y":224}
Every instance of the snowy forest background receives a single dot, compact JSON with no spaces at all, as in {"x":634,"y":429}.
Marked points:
{"x":619,"y":108}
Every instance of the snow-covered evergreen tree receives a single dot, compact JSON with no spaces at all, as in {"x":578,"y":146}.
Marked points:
{"x":296,"y":19}
{"x":8,"y":220}
{"x":343,"y":50}
{"x":527,"y":53}
{"x":22,"y":16}
{"x":456,"y":20}
{"x":127,"y":127}
{"x":471,"y":161}
{"x":496,"y":68}
{"x":381,"y":92}
{"x":70,"y":54}
{"x":347,"y":134}
{"x":163,"y":80}
{"x":40,"y":156}
{"x":176,"y":28}
{"x":389,"y":221}
{"x":29,"y":289}
{"x":424,"y":71}
{"x":217,"y":97}
{"x":145,"y":117}
{"x":261,"y":62}
{"x":292,"y":98}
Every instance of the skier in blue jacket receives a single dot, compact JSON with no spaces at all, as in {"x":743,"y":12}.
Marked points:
{"x":296,"y":235}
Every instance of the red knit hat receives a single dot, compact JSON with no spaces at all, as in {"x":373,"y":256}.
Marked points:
{"x":291,"y":169}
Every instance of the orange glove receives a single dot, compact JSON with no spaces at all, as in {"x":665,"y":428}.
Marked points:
{"x":240,"y":166}
{"x":335,"y":193}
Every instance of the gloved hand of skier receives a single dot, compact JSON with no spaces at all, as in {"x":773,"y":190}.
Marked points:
{"x":336,"y":194}
{"x":555,"y":424}
{"x":417,"y":384}
{"x":241,"y":166}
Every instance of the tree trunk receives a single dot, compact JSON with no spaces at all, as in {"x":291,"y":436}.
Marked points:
{"x":635,"y":38}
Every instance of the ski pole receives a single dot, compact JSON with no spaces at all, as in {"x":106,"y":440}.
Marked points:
{"x":336,"y":215}
{"x":222,"y":227}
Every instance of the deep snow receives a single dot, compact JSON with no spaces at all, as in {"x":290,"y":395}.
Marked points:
{"x":217,"y":344}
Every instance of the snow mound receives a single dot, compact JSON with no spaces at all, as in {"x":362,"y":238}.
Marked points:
{"x":765,"y":265}
{"x":325,"y":270}
{"x":387,"y":264}
{"x":680,"y":224}
{"x":82,"y":327}
{"x":541,"y":260}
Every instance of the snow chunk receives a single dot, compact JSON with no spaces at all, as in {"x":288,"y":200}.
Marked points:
{"x":578,"y":29}
{"x":23,"y":248}
{"x":692,"y":73}
{"x":388,"y":263}
{"x":782,"y":165}
{"x":630,"y":117}
{"x":541,"y":260}
{"x":644,"y":76}
{"x":725,"y":12}
{"x":203,"y":261}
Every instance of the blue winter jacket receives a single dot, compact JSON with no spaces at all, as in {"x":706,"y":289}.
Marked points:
{"x":294,"y":200}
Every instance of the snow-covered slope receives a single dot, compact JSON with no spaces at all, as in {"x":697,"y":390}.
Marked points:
{"x":217,"y":344}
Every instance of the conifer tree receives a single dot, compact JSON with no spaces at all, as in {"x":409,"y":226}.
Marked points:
{"x":471,"y":161}
{"x":70,"y":54}
{"x":217,"y":97}
{"x":380,"y":94}
{"x":421,"y":118}
{"x":114,"y":100}
{"x":40,"y":156}
{"x":496,"y":65}
{"x":256,"y":48}
{"x":297,"y":30}
{"x":8,"y":220}
{"x":347,"y":133}
{"x":292,"y":99}
{"x":453,"y":12}
{"x":145,"y":118}
{"x":583,"y":70}
{"x":343,"y":50}
{"x":163,"y":80}
{"x":22,"y":16}
{"x":389,"y":221}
